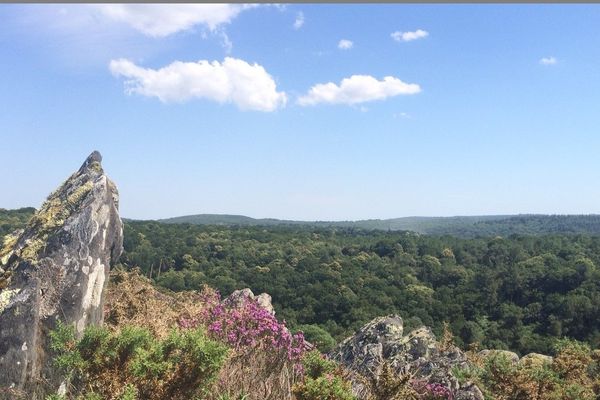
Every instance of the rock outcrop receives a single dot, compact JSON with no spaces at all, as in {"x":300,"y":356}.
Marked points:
{"x":509,"y":355}
{"x":238,"y":297}
{"x":418,"y":353}
{"x":56,"y":269}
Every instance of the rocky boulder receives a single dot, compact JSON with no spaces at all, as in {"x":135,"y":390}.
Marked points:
{"x":238,"y":297}
{"x":56,"y":269}
{"x":382,"y":341}
{"x":491,"y":354}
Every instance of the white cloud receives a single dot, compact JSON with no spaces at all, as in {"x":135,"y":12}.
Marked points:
{"x":345,"y":44}
{"x":408,"y":36}
{"x":357,"y":89}
{"x":299,"y":20}
{"x":548,"y":61}
{"x":248,"y":86}
{"x":159,"y":20}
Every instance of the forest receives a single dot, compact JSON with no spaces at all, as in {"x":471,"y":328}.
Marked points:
{"x":461,"y":226}
{"x":520,"y":292}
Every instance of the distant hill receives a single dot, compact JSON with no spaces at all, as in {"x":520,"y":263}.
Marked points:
{"x":463,"y":226}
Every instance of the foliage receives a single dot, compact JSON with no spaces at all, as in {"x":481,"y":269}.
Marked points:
{"x":323,"y":380}
{"x":11,"y":220}
{"x":572,"y":375}
{"x":389,"y":385}
{"x":517,"y":293}
{"x":246,"y":325}
{"x":469,"y":226}
{"x":317,"y":336}
{"x":134,"y":364}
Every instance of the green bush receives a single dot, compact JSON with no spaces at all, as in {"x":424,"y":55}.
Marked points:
{"x":322,"y":380}
{"x":328,"y":387}
{"x":315,"y":365}
{"x":181,"y":366}
{"x":318,"y":336}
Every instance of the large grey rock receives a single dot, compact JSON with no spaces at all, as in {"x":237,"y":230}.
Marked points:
{"x":418,"y":353}
{"x":56,"y":269}
{"x":365,"y":351}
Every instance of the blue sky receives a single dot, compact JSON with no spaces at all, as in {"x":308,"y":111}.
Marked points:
{"x":326,"y":112}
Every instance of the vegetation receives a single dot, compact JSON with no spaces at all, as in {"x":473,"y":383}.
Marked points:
{"x":323,"y":380}
{"x":470,"y":226}
{"x":572,"y":375}
{"x":517,"y":292}
{"x":14,"y":219}
{"x":133,"y":363}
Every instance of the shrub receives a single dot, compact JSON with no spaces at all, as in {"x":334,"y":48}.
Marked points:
{"x":323,"y":380}
{"x":133,"y":364}
{"x":328,"y":387}
{"x":245,"y":326}
{"x":318,"y":336}
{"x":316,"y":365}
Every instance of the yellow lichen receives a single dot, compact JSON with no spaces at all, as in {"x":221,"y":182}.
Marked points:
{"x":79,"y":194}
{"x":51,"y":216}
{"x":7,"y":248}
{"x":6,"y":296}
{"x":31,"y":249}
{"x":96,"y":167}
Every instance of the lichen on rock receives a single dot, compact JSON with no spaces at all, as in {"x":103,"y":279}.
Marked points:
{"x":382,"y":343}
{"x":56,"y":269}
{"x":6,"y":296}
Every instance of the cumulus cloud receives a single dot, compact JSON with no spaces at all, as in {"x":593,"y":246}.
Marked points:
{"x":409,"y":36}
{"x":299,"y":20}
{"x":345,"y":44}
{"x":248,"y":86}
{"x":548,"y":60}
{"x":160,"y":20}
{"x":357,"y":89}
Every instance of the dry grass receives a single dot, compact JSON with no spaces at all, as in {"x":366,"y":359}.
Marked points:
{"x":132,"y":300}
{"x":257,"y":372}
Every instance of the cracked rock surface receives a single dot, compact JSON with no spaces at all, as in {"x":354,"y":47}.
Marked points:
{"x":418,"y":353}
{"x":56,"y":269}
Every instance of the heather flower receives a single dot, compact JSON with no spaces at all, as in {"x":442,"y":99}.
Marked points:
{"x":247,"y":326}
{"x":432,"y":391}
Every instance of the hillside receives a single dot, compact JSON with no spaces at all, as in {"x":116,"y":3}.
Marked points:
{"x":398,"y":315}
{"x":460,"y":226}
{"x":463,"y":226}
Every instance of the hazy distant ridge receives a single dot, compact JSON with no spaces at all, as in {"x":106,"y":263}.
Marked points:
{"x":466,"y":226}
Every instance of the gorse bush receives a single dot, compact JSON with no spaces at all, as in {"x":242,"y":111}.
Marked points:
{"x":133,"y":364}
{"x":323,"y":380}
{"x":327,"y":387}
{"x":573,"y":374}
